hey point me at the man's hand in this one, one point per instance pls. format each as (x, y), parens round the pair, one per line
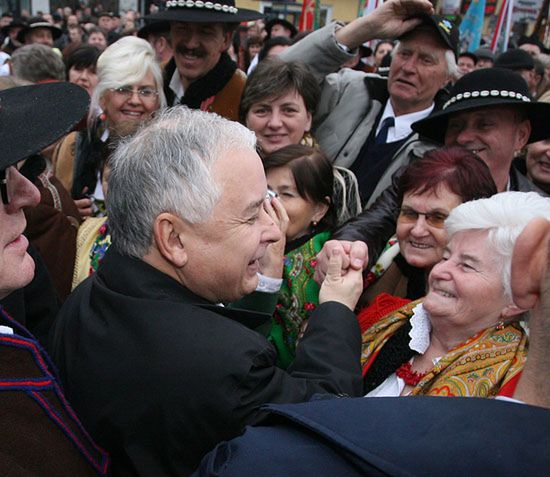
(343, 288)
(354, 255)
(390, 20)
(530, 282)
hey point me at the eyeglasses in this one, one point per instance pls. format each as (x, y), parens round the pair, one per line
(4, 185)
(410, 216)
(144, 93)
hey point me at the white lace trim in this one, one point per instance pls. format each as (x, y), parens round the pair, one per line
(420, 331)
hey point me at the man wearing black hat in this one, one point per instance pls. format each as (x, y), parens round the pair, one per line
(280, 27)
(39, 31)
(491, 113)
(521, 62)
(40, 433)
(158, 34)
(202, 75)
(363, 122)
(11, 36)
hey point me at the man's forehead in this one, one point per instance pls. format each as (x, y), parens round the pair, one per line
(485, 112)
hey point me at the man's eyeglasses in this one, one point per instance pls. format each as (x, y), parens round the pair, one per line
(410, 216)
(4, 186)
(145, 93)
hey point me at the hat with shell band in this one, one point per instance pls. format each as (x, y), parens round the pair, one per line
(487, 88)
(199, 11)
(33, 117)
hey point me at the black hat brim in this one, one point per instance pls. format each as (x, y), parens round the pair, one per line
(33, 117)
(195, 15)
(280, 21)
(434, 126)
(56, 32)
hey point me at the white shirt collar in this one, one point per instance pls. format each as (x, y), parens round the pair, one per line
(403, 123)
(177, 87)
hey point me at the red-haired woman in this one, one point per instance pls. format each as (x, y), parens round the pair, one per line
(428, 190)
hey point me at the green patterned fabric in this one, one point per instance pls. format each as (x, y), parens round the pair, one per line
(298, 297)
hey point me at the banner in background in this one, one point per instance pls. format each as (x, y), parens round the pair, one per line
(309, 19)
(472, 26)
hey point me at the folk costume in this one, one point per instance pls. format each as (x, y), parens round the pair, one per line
(486, 365)
(41, 434)
(220, 90)
(298, 296)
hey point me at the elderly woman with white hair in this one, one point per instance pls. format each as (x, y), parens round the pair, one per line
(464, 338)
(128, 93)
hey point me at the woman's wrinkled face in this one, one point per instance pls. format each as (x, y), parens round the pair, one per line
(301, 212)
(465, 288)
(279, 122)
(134, 107)
(421, 237)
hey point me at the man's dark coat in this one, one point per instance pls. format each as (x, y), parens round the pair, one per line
(160, 376)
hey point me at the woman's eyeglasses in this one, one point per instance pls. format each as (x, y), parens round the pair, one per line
(410, 216)
(145, 93)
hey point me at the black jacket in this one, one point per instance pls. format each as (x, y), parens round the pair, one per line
(160, 376)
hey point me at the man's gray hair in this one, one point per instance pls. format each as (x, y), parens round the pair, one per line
(504, 216)
(126, 62)
(37, 63)
(167, 167)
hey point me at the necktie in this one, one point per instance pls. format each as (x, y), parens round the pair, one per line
(383, 133)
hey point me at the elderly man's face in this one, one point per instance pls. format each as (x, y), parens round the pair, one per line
(16, 266)
(223, 252)
(42, 36)
(418, 71)
(493, 134)
(197, 48)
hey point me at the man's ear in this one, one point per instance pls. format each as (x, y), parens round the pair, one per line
(169, 238)
(530, 262)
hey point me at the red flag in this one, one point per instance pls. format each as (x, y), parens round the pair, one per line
(307, 18)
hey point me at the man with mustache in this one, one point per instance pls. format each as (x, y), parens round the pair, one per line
(364, 122)
(201, 74)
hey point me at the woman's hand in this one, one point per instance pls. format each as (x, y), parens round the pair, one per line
(343, 287)
(271, 264)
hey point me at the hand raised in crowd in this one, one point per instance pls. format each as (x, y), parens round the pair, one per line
(271, 264)
(84, 205)
(390, 20)
(345, 288)
(531, 290)
(354, 255)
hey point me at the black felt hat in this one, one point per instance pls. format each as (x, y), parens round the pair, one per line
(485, 54)
(17, 22)
(280, 21)
(515, 60)
(33, 117)
(447, 30)
(485, 88)
(152, 28)
(35, 23)
(198, 11)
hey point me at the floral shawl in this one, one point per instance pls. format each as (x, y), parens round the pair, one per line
(485, 365)
(298, 297)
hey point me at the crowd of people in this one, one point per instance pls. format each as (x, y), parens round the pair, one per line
(246, 248)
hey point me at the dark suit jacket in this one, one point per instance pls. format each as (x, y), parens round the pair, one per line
(418, 436)
(160, 376)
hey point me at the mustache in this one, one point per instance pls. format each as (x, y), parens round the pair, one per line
(198, 52)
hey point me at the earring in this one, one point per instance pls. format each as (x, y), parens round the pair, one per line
(314, 223)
